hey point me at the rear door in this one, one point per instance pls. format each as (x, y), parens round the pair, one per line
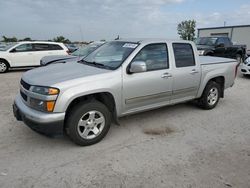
(153, 87)
(56, 49)
(22, 55)
(186, 74)
(40, 50)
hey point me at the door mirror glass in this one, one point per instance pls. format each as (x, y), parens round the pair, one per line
(138, 66)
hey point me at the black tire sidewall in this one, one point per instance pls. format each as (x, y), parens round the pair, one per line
(77, 112)
(204, 102)
(7, 66)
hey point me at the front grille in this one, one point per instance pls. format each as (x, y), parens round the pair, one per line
(24, 96)
(25, 85)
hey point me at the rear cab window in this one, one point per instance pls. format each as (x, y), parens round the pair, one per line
(184, 55)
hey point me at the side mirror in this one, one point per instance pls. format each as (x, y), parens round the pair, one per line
(221, 45)
(138, 66)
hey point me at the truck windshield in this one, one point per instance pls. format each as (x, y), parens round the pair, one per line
(209, 41)
(83, 51)
(111, 54)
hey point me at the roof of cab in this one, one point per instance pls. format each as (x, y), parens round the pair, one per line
(151, 40)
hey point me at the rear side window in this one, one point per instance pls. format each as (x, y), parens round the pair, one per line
(41, 47)
(155, 56)
(184, 55)
(55, 47)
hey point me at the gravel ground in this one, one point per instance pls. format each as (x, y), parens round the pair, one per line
(177, 146)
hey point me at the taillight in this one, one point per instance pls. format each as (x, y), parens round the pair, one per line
(68, 52)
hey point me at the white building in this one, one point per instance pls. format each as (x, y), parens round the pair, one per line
(238, 34)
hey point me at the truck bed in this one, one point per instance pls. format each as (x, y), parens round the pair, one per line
(206, 60)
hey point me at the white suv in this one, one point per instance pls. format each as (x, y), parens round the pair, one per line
(28, 54)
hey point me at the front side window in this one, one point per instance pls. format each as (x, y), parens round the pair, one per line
(23, 48)
(111, 54)
(220, 41)
(154, 55)
(184, 55)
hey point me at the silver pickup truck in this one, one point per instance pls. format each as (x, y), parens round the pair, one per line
(120, 78)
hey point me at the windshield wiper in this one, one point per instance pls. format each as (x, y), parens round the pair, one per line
(95, 63)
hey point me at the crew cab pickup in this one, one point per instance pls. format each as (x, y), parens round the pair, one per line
(121, 77)
(220, 47)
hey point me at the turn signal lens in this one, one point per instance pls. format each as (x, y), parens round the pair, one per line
(53, 91)
(50, 106)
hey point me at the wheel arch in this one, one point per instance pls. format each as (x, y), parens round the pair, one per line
(218, 79)
(104, 97)
(3, 59)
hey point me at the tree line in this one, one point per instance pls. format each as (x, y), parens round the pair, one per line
(185, 29)
(15, 39)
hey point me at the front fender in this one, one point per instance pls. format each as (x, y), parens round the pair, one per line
(112, 86)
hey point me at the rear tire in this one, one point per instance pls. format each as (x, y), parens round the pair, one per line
(4, 67)
(88, 122)
(211, 96)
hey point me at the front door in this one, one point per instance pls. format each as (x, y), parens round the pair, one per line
(152, 88)
(22, 56)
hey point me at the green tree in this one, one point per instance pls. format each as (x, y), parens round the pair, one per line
(26, 39)
(9, 39)
(61, 39)
(186, 29)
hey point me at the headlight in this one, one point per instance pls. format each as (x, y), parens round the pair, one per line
(201, 52)
(45, 90)
(47, 102)
(45, 106)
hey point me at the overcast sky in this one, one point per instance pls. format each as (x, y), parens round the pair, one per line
(105, 19)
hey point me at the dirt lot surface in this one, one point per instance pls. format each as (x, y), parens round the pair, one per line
(177, 146)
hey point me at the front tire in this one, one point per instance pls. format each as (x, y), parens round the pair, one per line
(88, 123)
(211, 96)
(4, 67)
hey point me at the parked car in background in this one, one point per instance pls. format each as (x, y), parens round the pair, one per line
(78, 54)
(245, 67)
(220, 47)
(119, 78)
(2, 46)
(71, 47)
(28, 54)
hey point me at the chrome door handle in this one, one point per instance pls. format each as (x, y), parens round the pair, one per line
(166, 75)
(194, 71)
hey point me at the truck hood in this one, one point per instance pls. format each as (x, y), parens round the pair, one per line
(204, 47)
(60, 72)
